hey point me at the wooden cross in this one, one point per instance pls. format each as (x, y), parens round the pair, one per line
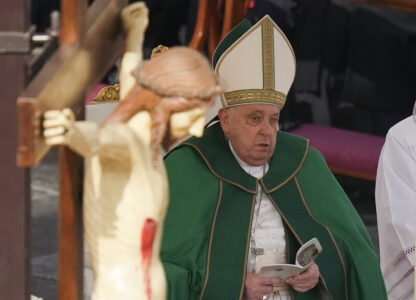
(89, 44)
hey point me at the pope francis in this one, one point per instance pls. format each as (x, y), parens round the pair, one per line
(246, 195)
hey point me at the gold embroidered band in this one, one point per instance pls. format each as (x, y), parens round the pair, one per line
(268, 55)
(254, 96)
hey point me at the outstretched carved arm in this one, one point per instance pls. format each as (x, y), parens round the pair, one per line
(86, 138)
(135, 19)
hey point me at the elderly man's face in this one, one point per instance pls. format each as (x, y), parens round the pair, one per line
(252, 130)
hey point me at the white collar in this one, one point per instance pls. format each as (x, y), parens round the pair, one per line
(255, 171)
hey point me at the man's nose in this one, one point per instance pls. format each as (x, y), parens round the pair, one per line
(266, 128)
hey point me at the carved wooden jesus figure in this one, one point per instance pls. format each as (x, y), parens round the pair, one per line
(125, 189)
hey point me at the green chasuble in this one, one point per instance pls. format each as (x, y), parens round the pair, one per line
(207, 228)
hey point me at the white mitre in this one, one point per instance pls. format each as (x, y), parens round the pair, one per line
(256, 64)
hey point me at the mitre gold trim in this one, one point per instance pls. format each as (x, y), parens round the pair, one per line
(253, 96)
(268, 55)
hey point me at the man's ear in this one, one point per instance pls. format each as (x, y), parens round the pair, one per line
(224, 116)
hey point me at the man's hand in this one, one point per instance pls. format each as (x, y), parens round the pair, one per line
(305, 281)
(56, 124)
(257, 286)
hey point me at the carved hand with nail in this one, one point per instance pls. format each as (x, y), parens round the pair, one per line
(56, 124)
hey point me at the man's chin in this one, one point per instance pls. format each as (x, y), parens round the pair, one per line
(259, 160)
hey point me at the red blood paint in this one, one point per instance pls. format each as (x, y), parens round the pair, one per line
(148, 236)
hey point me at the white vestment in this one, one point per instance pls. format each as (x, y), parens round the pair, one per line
(396, 209)
(268, 231)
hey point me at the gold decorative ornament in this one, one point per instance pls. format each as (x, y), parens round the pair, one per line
(158, 50)
(108, 94)
(268, 56)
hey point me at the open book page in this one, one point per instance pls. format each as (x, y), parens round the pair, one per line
(305, 256)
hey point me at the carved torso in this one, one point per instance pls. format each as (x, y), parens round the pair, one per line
(125, 201)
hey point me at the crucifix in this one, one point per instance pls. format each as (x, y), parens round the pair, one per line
(90, 42)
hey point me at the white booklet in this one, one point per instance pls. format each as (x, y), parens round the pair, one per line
(305, 256)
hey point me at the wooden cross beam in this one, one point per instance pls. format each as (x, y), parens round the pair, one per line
(71, 73)
(90, 43)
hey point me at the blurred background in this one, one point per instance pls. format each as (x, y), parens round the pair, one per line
(356, 72)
